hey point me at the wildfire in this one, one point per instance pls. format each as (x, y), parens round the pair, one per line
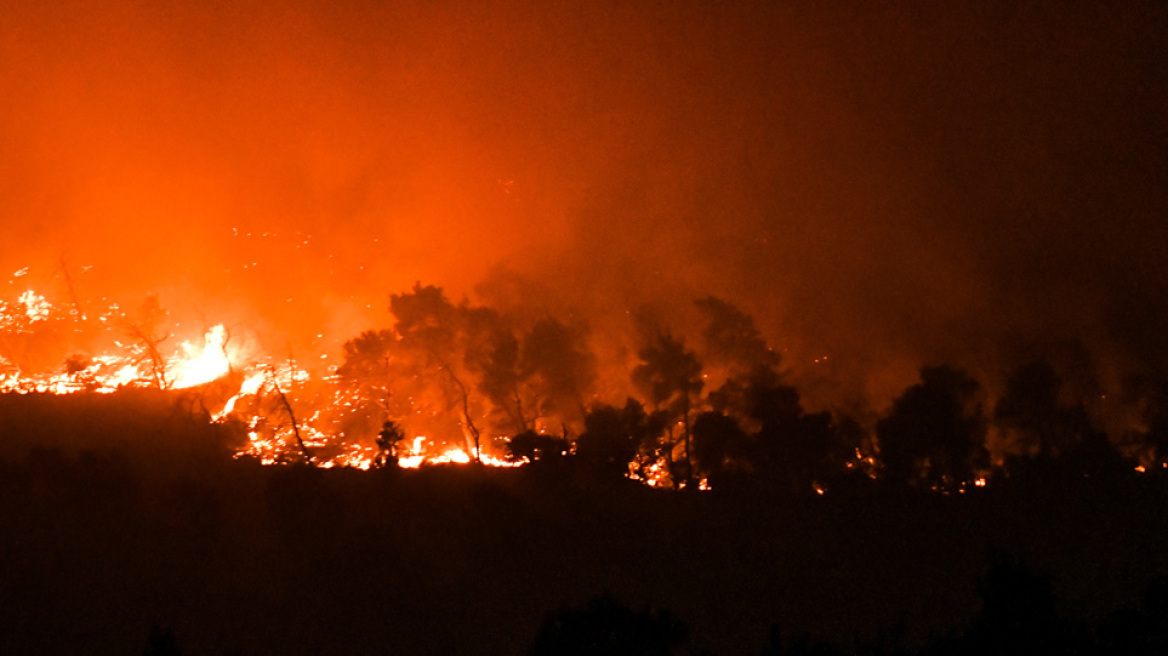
(457, 456)
(36, 308)
(655, 474)
(419, 456)
(249, 387)
(200, 365)
(287, 413)
(30, 322)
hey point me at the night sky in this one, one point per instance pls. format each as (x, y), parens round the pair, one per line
(887, 183)
(887, 188)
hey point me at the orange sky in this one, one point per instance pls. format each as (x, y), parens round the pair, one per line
(890, 185)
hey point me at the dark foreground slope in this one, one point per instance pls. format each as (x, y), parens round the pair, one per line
(99, 544)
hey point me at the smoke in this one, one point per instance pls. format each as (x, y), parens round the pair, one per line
(881, 186)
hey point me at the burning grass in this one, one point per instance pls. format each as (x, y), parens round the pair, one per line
(209, 376)
(456, 383)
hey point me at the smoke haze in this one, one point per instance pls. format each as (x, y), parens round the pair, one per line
(887, 185)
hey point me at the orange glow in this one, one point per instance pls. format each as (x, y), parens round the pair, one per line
(656, 474)
(457, 456)
(284, 167)
(34, 319)
(418, 457)
(199, 365)
(36, 308)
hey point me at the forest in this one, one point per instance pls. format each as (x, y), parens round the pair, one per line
(692, 505)
(711, 405)
(659, 327)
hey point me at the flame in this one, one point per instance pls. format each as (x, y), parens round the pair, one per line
(453, 455)
(268, 392)
(417, 457)
(192, 365)
(36, 308)
(493, 461)
(411, 462)
(250, 387)
(271, 429)
(200, 365)
(656, 474)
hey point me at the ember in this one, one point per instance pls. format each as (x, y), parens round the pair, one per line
(488, 387)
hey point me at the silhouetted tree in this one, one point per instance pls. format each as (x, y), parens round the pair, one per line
(1029, 409)
(536, 447)
(503, 378)
(565, 369)
(430, 326)
(719, 446)
(369, 372)
(1036, 425)
(731, 339)
(755, 397)
(1092, 454)
(606, 441)
(272, 383)
(541, 374)
(522, 447)
(607, 628)
(791, 448)
(470, 359)
(367, 358)
(613, 437)
(146, 328)
(387, 440)
(670, 376)
(1043, 434)
(935, 432)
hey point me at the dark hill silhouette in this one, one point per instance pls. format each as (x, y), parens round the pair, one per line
(100, 544)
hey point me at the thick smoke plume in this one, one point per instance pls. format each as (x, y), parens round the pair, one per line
(882, 186)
